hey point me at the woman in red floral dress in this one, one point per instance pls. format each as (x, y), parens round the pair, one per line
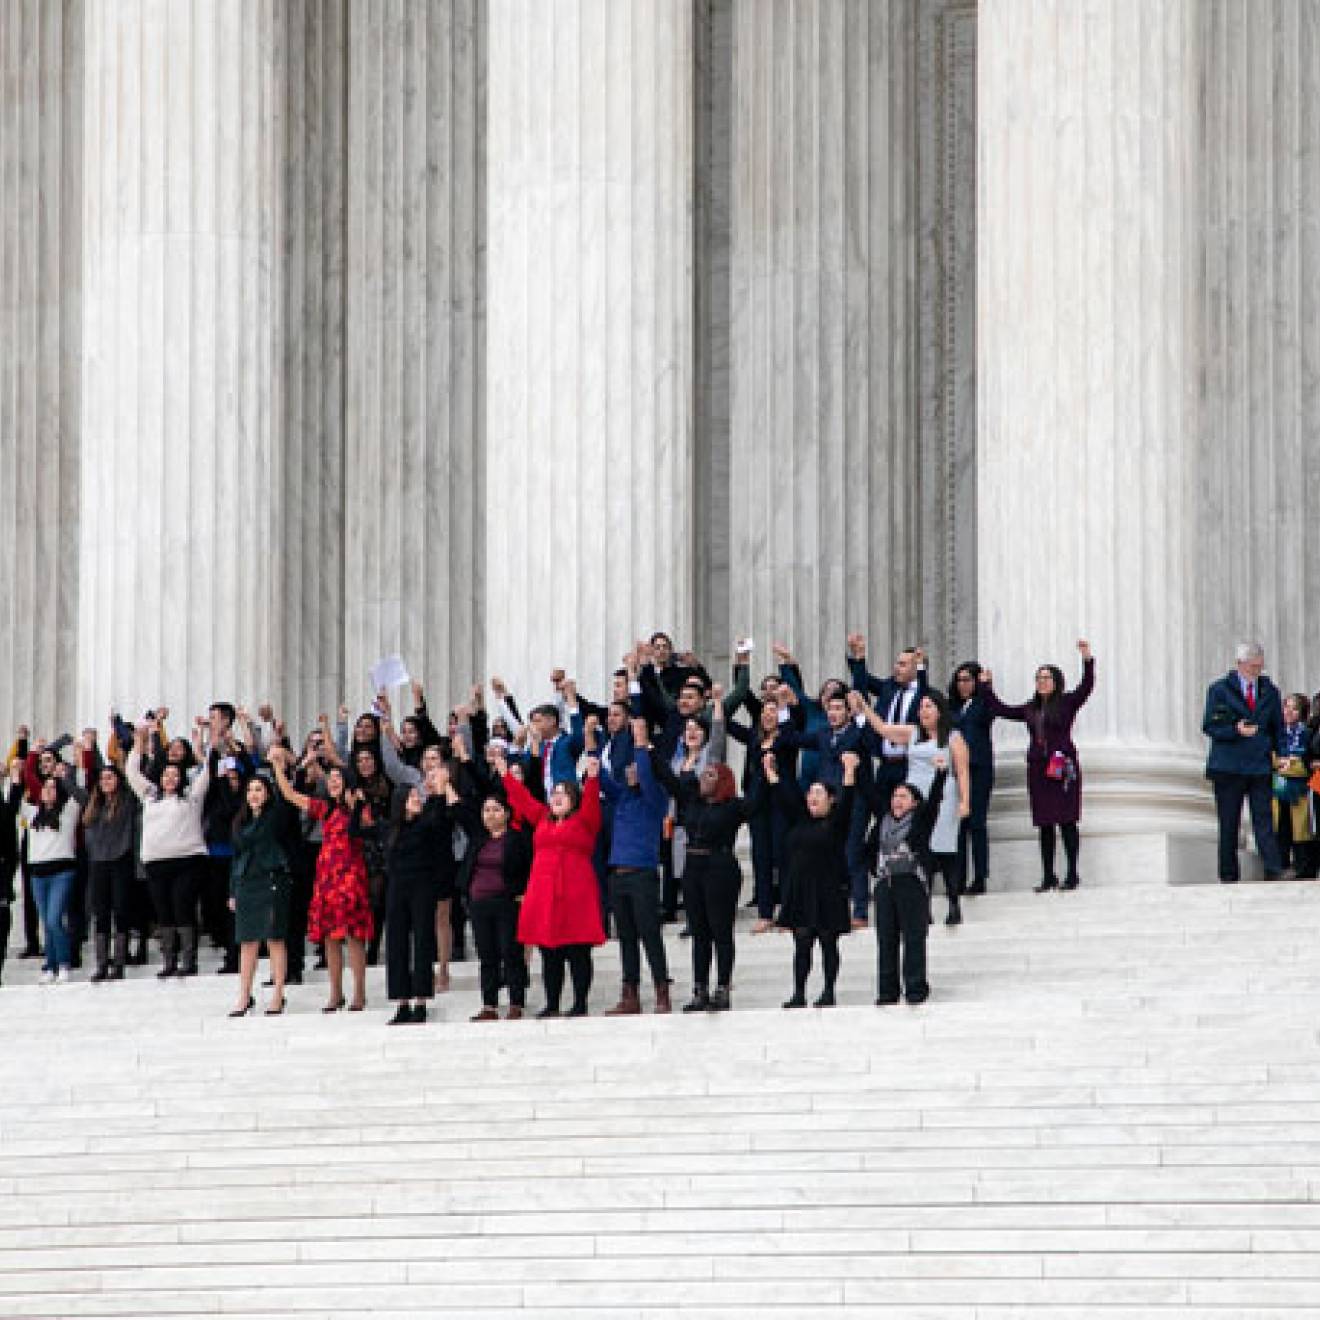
(340, 911)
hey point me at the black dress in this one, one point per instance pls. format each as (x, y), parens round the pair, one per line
(816, 890)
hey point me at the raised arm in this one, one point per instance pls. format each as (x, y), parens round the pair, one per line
(523, 803)
(279, 764)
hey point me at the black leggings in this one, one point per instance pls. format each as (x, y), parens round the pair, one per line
(112, 894)
(711, 883)
(577, 957)
(174, 884)
(803, 940)
(1072, 843)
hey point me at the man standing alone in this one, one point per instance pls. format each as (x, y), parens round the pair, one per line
(1243, 715)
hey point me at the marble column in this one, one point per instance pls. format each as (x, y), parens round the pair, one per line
(1259, 304)
(413, 425)
(309, 636)
(181, 407)
(589, 507)
(1087, 369)
(826, 519)
(40, 214)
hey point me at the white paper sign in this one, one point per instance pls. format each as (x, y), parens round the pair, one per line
(389, 672)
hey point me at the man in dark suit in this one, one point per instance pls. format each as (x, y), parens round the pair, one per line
(1243, 716)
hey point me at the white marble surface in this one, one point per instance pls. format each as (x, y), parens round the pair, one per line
(413, 548)
(1087, 471)
(40, 216)
(825, 533)
(181, 413)
(589, 374)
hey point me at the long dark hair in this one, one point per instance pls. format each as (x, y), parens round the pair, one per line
(244, 817)
(943, 727)
(48, 818)
(972, 667)
(99, 804)
(1047, 704)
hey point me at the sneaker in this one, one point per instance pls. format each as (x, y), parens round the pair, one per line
(63, 977)
(46, 978)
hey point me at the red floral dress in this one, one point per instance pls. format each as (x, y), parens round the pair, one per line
(341, 908)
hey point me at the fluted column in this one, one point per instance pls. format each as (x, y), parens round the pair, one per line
(40, 214)
(1259, 302)
(310, 623)
(588, 506)
(180, 365)
(412, 493)
(826, 492)
(1087, 363)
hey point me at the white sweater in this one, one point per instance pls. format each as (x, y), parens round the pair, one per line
(59, 845)
(171, 826)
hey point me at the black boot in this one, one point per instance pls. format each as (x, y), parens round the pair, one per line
(188, 951)
(719, 1000)
(169, 948)
(1050, 882)
(141, 953)
(102, 972)
(120, 957)
(699, 1002)
(955, 913)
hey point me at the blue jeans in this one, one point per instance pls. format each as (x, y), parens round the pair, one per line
(52, 893)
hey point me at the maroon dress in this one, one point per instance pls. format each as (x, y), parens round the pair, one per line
(1053, 801)
(340, 908)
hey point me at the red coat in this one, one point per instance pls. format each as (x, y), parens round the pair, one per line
(562, 903)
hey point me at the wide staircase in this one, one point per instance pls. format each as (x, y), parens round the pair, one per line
(1109, 1109)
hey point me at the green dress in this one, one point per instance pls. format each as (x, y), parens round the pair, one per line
(259, 879)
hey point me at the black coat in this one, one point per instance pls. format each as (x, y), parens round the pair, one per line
(517, 850)
(816, 893)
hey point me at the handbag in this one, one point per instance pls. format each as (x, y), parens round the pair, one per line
(1314, 782)
(1058, 766)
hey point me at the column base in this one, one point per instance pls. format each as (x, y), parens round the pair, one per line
(1115, 859)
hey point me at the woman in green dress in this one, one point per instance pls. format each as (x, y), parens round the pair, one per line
(260, 882)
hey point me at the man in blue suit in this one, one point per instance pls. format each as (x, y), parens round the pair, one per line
(1243, 716)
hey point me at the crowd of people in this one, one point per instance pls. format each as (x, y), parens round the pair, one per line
(536, 836)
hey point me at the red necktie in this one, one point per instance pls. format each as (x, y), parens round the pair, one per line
(1251, 697)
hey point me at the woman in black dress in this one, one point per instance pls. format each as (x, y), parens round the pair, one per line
(815, 905)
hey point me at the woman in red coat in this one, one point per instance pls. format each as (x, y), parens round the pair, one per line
(561, 909)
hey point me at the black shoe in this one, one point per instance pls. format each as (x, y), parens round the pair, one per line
(30, 952)
(719, 1000)
(799, 1000)
(116, 972)
(885, 1001)
(275, 1012)
(293, 978)
(976, 887)
(547, 1012)
(578, 1010)
(955, 915)
(699, 1002)
(419, 1013)
(333, 1007)
(403, 1015)
(1050, 882)
(245, 1010)
(918, 996)
(1074, 880)
(228, 968)
(171, 968)
(1223, 880)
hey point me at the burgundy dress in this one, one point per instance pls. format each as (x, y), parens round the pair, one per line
(340, 908)
(1053, 801)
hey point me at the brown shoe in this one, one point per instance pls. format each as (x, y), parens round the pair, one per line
(662, 1004)
(486, 1015)
(514, 1014)
(629, 1002)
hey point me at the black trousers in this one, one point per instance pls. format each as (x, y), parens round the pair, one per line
(577, 958)
(6, 921)
(635, 900)
(174, 885)
(217, 919)
(973, 833)
(300, 901)
(769, 830)
(495, 933)
(410, 939)
(902, 918)
(112, 895)
(31, 917)
(711, 885)
(1231, 791)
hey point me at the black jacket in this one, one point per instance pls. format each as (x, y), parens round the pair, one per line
(517, 849)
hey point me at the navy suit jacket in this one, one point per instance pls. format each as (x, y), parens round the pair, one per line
(975, 723)
(1225, 706)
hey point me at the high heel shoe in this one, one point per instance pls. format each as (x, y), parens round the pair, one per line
(245, 1010)
(275, 1012)
(334, 1006)
(357, 1008)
